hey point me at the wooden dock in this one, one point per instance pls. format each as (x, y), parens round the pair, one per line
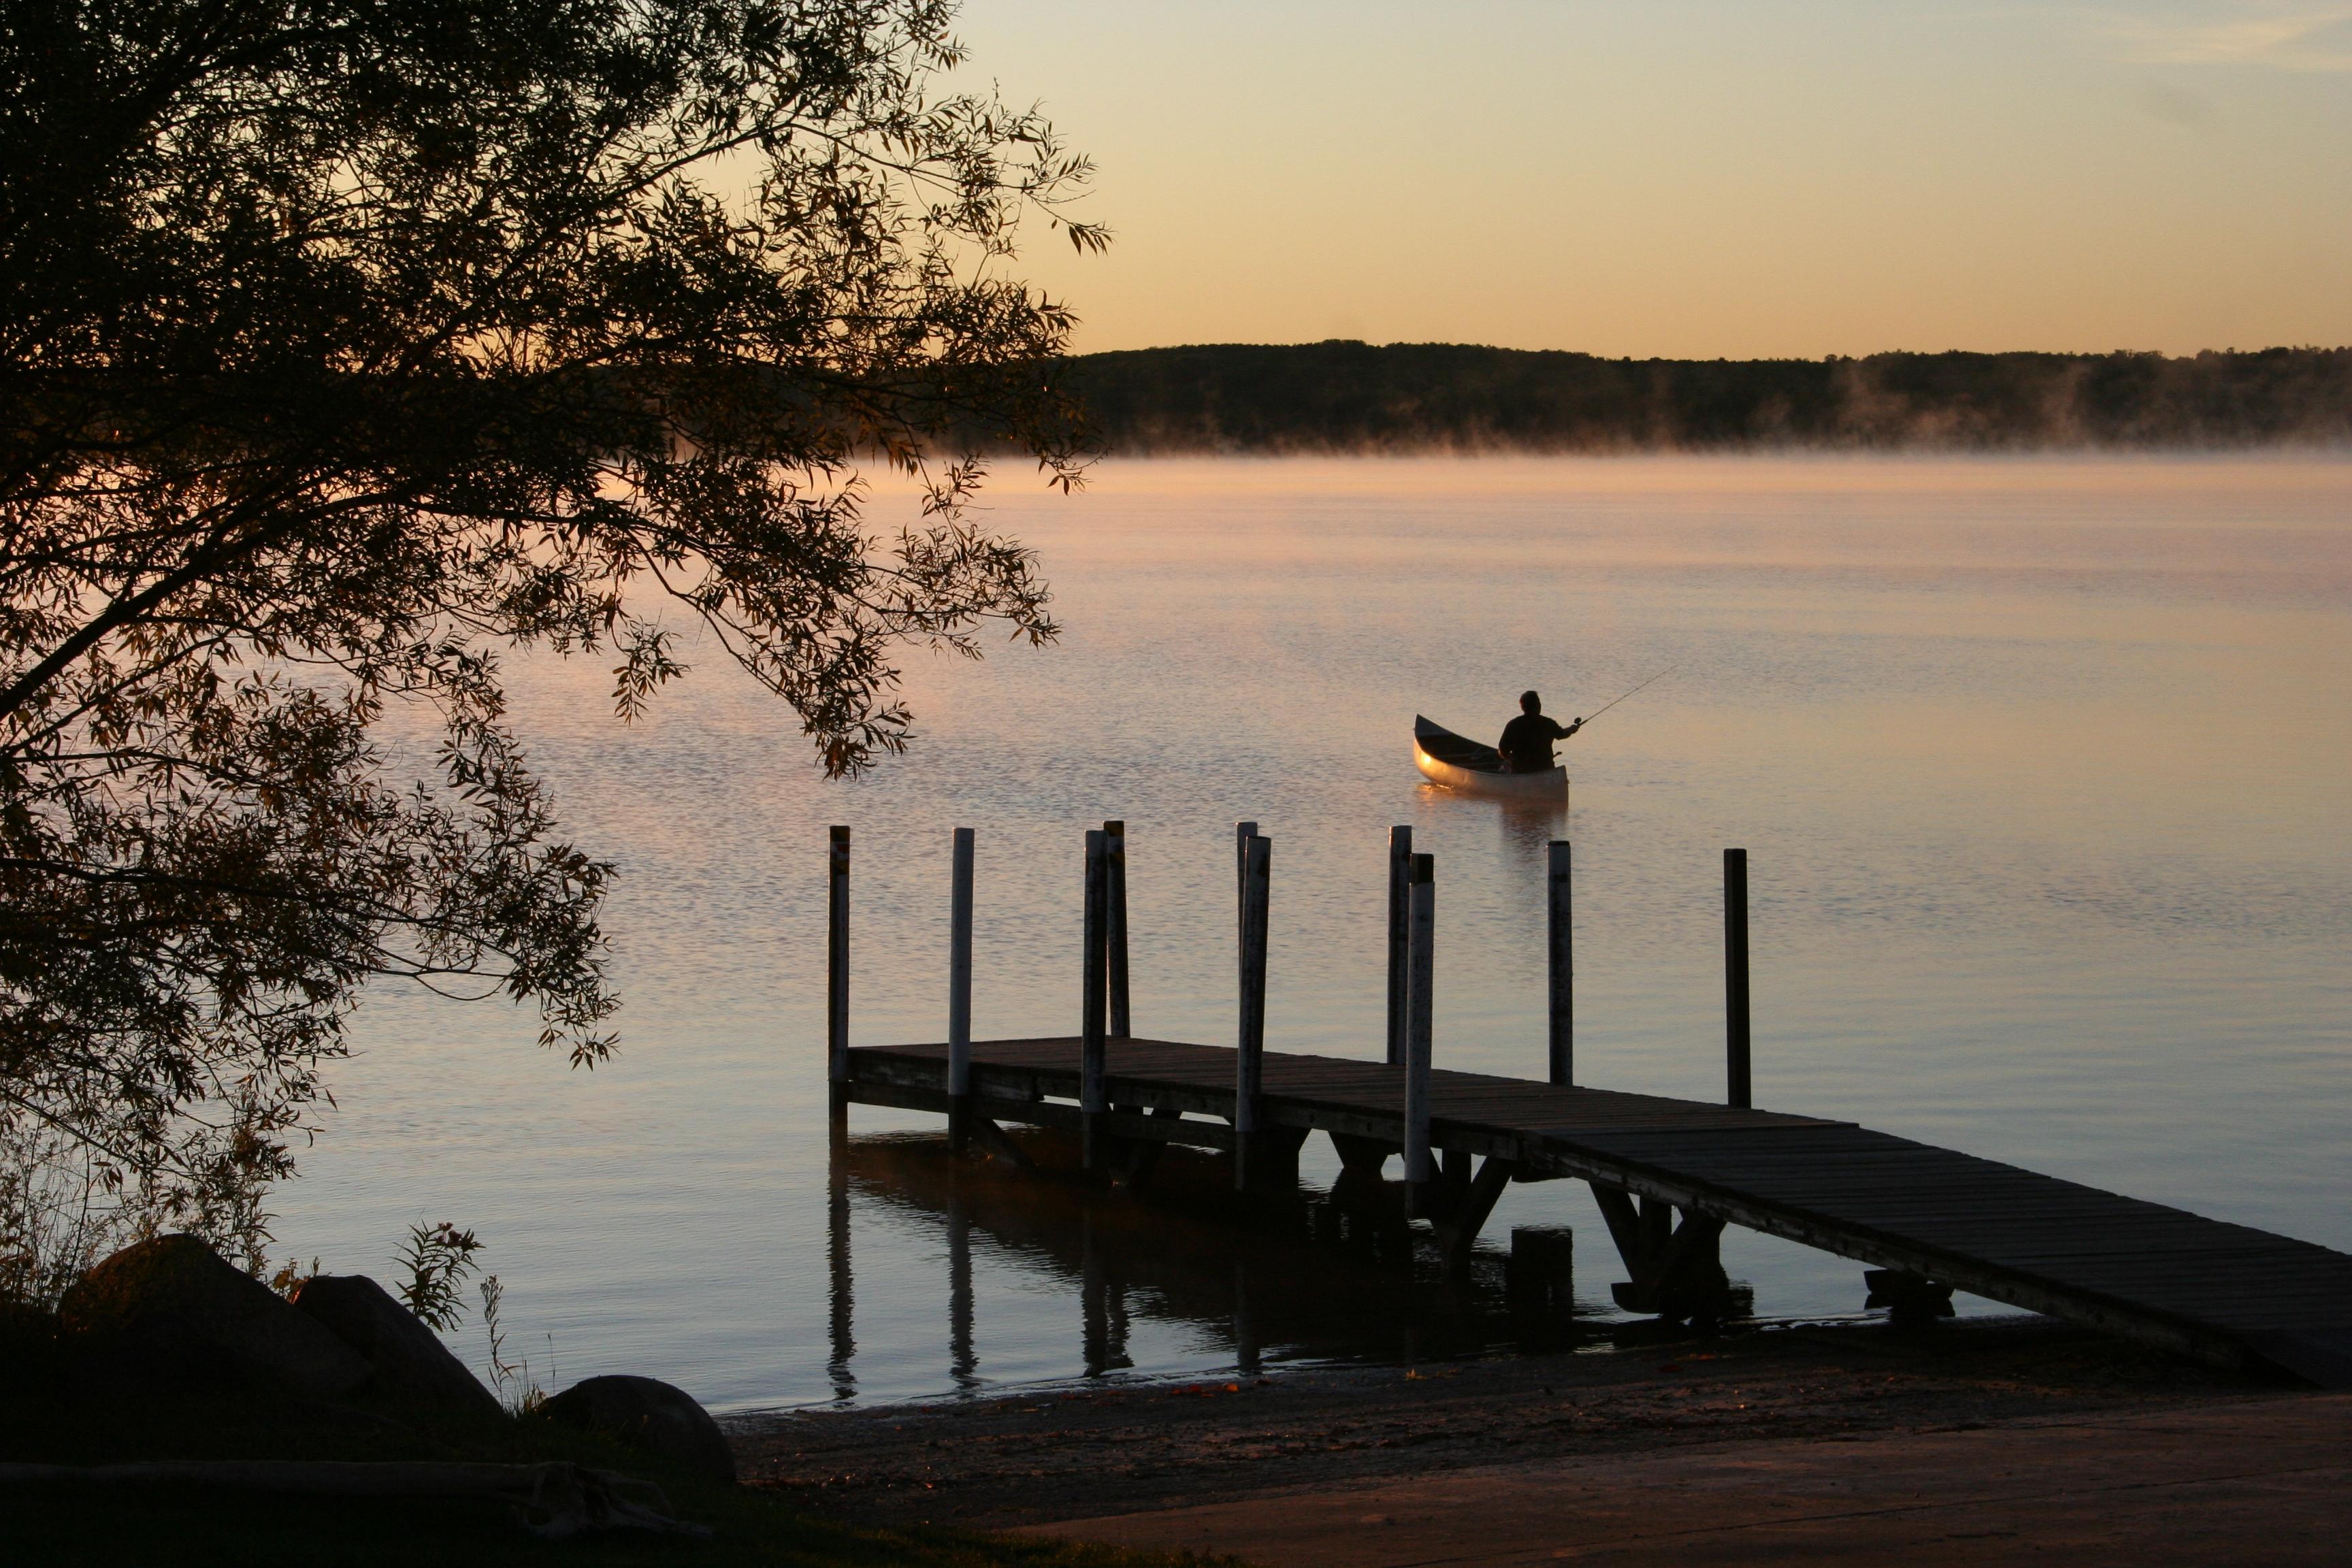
(1667, 1174)
(1671, 1173)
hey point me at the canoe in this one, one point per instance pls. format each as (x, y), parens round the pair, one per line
(1461, 764)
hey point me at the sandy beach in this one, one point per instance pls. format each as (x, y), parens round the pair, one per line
(1994, 1438)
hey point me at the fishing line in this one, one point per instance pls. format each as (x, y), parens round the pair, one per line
(1604, 708)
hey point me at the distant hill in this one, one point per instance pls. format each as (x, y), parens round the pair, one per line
(1343, 396)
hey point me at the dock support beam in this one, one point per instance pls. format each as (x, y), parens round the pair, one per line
(1400, 919)
(1677, 1269)
(1419, 1015)
(836, 987)
(959, 992)
(1094, 1095)
(1115, 852)
(1735, 978)
(1470, 1207)
(1249, 1059)
(1562, 965)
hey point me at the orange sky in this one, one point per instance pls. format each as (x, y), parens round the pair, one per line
(1704, 179)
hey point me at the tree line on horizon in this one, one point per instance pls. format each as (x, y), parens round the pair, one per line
(1343, 396)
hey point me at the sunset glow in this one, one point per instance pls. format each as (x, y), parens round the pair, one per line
(1794, 178)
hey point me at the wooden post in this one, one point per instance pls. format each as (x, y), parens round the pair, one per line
(837, 986)
(1094, 1096)
(1419, 1011)
(1249, 1059)
(1562, 964)
(1735, 977)
(959, 991)
(1243, 832)
(1114, 850)
(1400, 917)
(1542, 1271)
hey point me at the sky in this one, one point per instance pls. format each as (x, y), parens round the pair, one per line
(1686, 178)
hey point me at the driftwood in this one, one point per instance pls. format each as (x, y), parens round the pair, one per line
(554, 1500)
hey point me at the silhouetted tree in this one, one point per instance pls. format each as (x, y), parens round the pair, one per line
(344, 345)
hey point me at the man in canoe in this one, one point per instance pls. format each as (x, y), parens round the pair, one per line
(1528, 740)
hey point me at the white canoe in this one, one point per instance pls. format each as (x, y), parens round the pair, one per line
(1461, 764)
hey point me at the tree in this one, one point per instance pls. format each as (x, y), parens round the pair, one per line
(345, 346)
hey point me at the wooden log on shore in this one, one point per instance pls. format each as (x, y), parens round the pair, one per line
(1249, 1063)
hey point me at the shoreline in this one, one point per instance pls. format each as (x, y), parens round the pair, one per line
(1040, 1457)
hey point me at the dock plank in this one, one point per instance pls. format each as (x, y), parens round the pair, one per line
(2162, 1274)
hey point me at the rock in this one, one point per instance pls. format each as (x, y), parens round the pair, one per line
(25, 1330)
(185, 1315)
(649, 1415)
(411, 1365)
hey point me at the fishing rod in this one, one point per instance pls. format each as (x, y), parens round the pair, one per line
(1605, 707)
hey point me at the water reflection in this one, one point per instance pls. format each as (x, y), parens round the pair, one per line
(843, 1330)
(1526, 827)
(1523, 827)
(2045, 765)
(1323, 1275)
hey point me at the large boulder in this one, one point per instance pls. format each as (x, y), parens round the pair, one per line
(184, 1315)
(650, 1414)
(411, 1365)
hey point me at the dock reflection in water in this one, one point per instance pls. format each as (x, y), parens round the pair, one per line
(1330, 1275)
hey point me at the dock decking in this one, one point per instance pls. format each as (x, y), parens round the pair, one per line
(1670, 1173)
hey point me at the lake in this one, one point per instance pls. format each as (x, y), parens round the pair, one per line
(2043, 767)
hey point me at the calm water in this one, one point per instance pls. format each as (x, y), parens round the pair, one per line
(2044, 768)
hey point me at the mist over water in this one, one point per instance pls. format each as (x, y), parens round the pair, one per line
(2043, 767)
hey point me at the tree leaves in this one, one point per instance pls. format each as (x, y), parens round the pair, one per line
(343, 346)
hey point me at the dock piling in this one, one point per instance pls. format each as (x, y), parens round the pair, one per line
(1115, 861)
(960, 990)
(1243, 832)
(1093, 1100)
(1735, 978)
(1562, 964)
(1419, 1011)
(1667, 1175)
(1249, 1060)
(1400, 919)
(1542, 1270)
(837, 986)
